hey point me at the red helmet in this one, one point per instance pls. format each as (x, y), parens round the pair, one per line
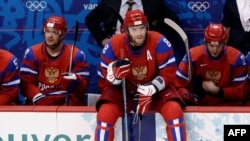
(215, 33)
(56, 22)
(135, 17)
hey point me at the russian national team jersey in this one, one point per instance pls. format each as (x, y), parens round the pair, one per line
(154, 58)
(227, 72)
(42, 73)
(9, 78)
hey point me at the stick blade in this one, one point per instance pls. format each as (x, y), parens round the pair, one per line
(184, 37)
(176, 27)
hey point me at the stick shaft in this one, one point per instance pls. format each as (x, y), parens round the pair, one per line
(125, 117)
(71, 59)
(73, 46)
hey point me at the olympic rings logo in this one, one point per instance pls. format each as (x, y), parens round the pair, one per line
(33, 6)
(198, 6)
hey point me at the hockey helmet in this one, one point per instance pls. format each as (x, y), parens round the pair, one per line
(135, 17)
(56, 22)
(215, 34)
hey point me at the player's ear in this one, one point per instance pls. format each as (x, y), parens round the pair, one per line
(62, 35)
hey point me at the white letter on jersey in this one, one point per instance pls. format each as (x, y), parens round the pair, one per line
(149, 57)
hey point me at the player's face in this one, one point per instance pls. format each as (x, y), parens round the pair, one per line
(215, 49)
(52, 37)
(137, 34)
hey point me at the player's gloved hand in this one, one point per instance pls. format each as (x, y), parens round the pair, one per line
(68, 75)
(41, 100)
(152, 87)
(190, 99)
(117, 70)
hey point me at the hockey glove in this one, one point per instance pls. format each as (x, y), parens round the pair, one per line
(70, 81)
(117, 70)
(190, 99)
(68, 75)
(152, 87)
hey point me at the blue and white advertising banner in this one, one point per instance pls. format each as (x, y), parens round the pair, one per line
(80, 126)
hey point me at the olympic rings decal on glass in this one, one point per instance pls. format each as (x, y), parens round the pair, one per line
(198, 6)
(33, 6)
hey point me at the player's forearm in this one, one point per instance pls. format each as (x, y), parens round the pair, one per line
(235, 93)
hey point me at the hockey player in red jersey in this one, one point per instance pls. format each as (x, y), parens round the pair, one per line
(146, 61)
(218, 71)
(45, 75)
(9, 78)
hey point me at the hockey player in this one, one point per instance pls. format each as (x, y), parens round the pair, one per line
(9, 78)
(44, 77)
(218, 72)
(146, 61)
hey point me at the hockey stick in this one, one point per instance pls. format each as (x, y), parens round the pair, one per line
(73, 46)
(184, 37)
(117, 15)
(71, 58)
(125, 117)
(125, 120)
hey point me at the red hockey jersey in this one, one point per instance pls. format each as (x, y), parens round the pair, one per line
(41, 73)
(227, 72)
(9, 78)
(155, 58)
